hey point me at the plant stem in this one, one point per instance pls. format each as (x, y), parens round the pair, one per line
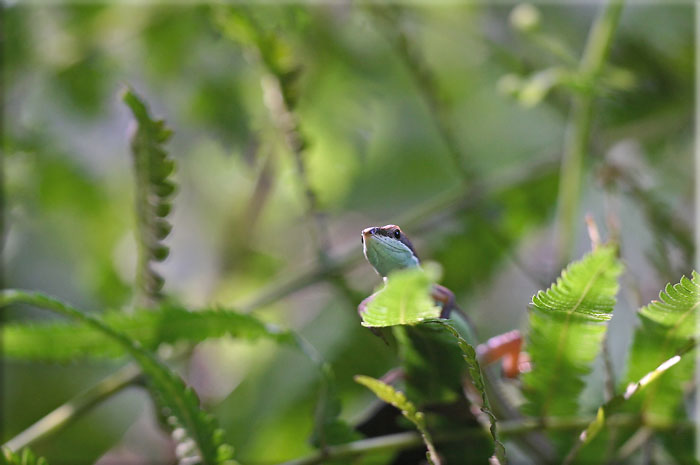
(390, 442)
(578, 134)
(405, 440)
(78, 405)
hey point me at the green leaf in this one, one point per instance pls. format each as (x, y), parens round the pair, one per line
(475, 374)
(667, 325)
(405, 300)
(432, 363)
(63, 341)
(396, 398)
(567, 325)
(23, 457)
(179, 402)
(152, 169)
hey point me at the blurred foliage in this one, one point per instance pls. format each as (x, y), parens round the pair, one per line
(24, 457)
(449, 120)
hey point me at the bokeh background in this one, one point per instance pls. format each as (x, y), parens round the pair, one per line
(449, 120)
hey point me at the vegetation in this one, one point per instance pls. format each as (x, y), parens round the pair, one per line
(184, 187)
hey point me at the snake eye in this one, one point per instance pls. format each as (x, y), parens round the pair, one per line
(397, 234)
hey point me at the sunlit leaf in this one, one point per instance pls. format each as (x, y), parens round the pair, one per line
(396, 398)
(405, 300)
(567, 325)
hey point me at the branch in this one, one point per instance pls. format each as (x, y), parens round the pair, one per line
(77, 406)
(390, 442)
(407, 440)
(579, 131)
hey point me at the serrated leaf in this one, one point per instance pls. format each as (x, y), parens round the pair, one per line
(567, 325)
(405, 300)
(179, 401)
(397, 398)
(666, 326)
(152, 169)
(62, 341)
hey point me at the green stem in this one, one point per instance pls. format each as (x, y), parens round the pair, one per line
(390, 442)
(406, 440)
(77, 406)
(576, 145)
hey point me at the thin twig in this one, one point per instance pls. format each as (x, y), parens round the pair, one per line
(276, 98)
(406, 440)
(608, 368)
(447, 203)
(281, 112)
(240, 227)
(426, 83)
(634, 443)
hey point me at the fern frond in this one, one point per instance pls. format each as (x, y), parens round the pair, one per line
(397, 398)
(63, 341)
(152, 168)
(667, 325)
(405, 300)
(191, 425)
(567, 325)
